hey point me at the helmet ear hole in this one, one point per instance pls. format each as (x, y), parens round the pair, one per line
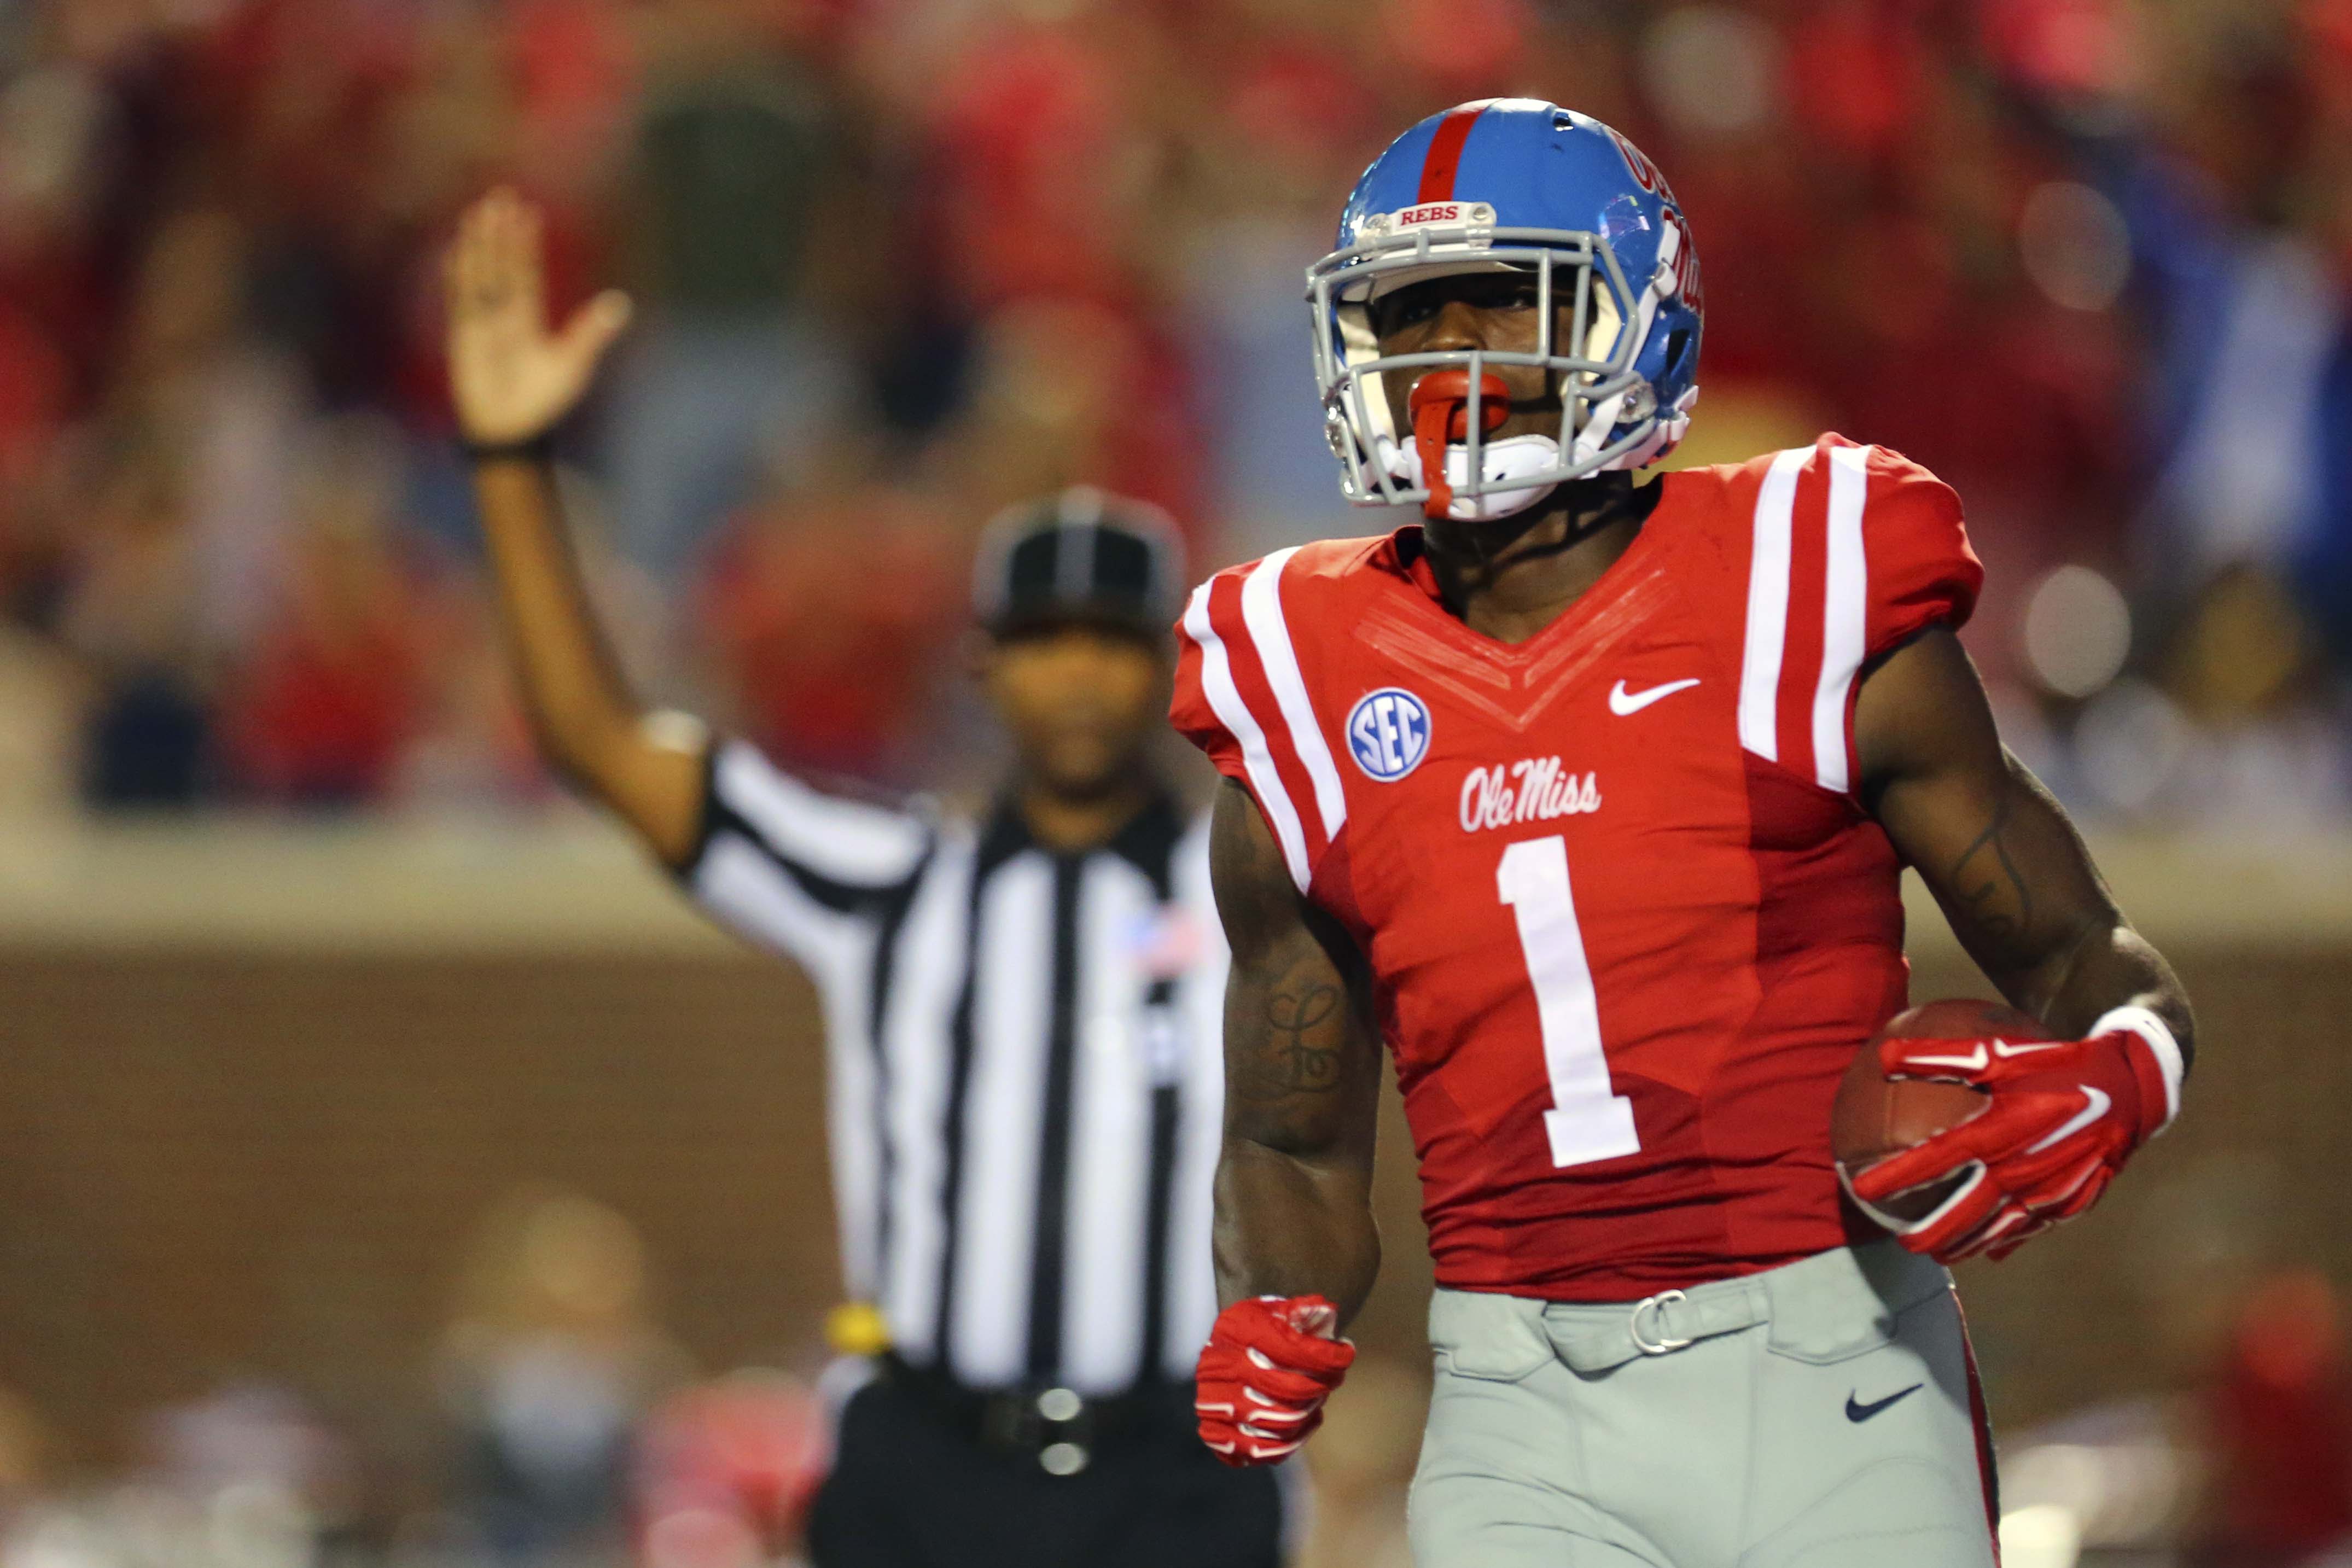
(1677, 345)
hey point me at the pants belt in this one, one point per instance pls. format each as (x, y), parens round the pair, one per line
(1656, 1326)
(1816, 1307)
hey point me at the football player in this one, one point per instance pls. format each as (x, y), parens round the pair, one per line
(1590, 799)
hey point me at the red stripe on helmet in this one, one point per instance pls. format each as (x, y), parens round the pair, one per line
(1437, 169)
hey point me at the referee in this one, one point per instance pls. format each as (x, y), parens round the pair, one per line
(1024, 1084)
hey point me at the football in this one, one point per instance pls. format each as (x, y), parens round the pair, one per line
(1874, 1117)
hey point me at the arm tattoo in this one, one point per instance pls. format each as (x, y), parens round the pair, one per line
(1989, 885)
(1300, 1055)
(1301, 1067)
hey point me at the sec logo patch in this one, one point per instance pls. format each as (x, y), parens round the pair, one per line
(1389, 734)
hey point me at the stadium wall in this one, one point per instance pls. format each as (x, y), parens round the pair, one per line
(260, 1081)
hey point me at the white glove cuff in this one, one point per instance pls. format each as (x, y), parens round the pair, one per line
(2160, 1044)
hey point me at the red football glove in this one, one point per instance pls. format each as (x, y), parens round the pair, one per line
(1270, 1362)
(2064, 1116)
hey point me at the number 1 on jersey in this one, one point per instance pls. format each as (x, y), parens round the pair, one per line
(1587, 1121)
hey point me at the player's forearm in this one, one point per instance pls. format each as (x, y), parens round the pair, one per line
(1995, 847)
(573, 691)
(2109, 965)
(1293, 1210)
(2030, 905)
(1291, 1225)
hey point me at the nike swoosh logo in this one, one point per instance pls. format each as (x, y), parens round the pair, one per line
(2098, 1106)
(2027, 1048)
(1974, 1061)
(1623, 702)
(1977, 1060)
(1857, 1411)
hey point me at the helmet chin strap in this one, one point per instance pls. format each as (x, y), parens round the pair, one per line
(1439, 404)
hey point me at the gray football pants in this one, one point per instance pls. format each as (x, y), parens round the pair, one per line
(1823, 1414)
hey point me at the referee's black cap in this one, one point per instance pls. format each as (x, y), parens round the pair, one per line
(1081, 556)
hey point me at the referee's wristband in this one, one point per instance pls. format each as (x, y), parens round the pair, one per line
(537, 448)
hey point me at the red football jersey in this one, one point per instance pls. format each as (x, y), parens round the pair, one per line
(1626, 917)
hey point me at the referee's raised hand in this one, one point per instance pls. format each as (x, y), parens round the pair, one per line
(510, 378)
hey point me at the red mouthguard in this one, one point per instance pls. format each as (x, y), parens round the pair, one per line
(1440, 405)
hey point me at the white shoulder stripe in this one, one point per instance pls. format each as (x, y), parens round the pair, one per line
(1768, 605)
(1261, 614)
(1225, 702)
(1845, 610)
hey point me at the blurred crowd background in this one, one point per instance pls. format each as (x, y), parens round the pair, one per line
(902, 262)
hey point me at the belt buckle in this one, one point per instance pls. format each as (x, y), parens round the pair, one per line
(1664, 1343)
(1054, 1425)
(1068, 1420)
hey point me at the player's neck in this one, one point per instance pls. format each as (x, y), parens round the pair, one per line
(1512, 578)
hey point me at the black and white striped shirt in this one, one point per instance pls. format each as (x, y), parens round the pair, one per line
(1024, 1084)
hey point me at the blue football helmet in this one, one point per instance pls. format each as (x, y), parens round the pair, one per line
(1504, 185)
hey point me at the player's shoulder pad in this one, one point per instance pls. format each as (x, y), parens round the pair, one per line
(1868, 514)
(1248, 646)
(1317, 568)
(1837, 553)
(1295, 591)
(1921, 568)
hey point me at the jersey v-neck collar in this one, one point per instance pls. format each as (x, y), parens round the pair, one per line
(1404, 554)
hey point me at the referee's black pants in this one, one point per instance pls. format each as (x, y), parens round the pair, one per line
(911, 1489)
